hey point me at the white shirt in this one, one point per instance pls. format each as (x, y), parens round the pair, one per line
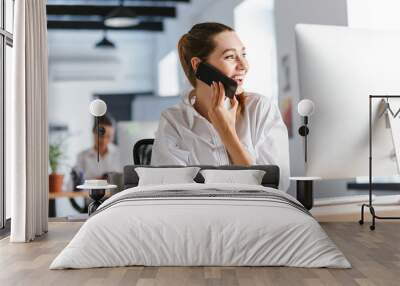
(184, 137)
(87, 162)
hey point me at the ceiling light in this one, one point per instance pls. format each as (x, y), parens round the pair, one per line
(105, 43)
(121, 17)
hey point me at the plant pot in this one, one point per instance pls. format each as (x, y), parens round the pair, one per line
(55, 182)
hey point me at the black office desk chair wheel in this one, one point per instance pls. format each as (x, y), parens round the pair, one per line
(142, 151)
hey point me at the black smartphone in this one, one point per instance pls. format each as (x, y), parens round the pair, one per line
(208, 73)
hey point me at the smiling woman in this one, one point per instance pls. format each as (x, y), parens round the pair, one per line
(209, 128)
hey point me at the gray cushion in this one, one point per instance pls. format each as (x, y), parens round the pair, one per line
(270, 179)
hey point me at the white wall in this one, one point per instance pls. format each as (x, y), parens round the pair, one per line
(288, 13)
(374, 14)
(258, 36)
(168, 74)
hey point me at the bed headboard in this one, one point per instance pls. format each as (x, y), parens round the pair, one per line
(270, 179)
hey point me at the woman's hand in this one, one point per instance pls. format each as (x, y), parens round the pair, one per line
(222, 119)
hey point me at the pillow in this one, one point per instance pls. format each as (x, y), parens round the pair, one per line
(248, 177)
(163, 176)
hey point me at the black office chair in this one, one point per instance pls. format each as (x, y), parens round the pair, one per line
(142, 151)
(77, 179)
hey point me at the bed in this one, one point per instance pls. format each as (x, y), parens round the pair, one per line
(201, 224)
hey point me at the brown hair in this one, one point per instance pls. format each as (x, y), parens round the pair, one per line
(103, 121)
(199, 42)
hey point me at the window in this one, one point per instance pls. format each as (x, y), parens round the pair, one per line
(168, 84)
(258, 35)
(9, 13)
(6, 42)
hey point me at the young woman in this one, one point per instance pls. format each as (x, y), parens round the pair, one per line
(209, 128)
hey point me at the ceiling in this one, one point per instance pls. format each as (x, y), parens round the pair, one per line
(89, 14)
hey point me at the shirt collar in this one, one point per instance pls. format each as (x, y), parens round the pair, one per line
(191, 112)
(111, 148)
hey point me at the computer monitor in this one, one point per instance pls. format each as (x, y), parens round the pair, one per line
(339, 67)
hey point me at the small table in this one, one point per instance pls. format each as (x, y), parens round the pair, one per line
(304, 190)
(96, 193)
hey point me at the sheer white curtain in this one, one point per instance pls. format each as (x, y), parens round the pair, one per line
(27, 134)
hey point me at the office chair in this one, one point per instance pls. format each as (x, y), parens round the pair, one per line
(77, 179)
(142, 151)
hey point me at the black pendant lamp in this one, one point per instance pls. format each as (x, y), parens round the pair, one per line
(121, 17)
(105, 43)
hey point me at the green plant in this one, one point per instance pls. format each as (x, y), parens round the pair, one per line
(55, 155)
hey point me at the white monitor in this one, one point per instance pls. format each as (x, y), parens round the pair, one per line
(339, 67)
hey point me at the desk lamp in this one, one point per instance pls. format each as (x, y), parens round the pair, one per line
(305, 108)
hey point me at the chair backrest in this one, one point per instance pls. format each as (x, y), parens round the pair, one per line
(142, 151)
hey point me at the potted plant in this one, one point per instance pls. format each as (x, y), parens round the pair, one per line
(55, 179)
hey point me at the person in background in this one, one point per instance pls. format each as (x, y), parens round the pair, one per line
(207, 128)
(86, 166)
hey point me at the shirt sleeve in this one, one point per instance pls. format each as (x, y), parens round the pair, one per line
(271, 140)
(166, 149)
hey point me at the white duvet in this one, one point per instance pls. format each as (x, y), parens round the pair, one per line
(200, 231)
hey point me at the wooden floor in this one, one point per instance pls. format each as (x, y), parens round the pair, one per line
(374, 255)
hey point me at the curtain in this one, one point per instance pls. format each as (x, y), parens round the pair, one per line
(27, 135)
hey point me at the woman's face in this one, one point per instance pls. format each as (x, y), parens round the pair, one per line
(104, 139)
(229, 56)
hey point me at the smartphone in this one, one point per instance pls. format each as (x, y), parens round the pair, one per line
(208, 73)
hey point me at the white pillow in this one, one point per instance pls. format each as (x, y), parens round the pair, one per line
(163, 176)
(248, 177)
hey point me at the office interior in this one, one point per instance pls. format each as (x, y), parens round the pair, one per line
(78, 73)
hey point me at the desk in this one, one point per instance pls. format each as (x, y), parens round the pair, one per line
(375, 186)
(78, 194)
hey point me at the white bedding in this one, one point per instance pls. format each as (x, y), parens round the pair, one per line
(200, 231)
